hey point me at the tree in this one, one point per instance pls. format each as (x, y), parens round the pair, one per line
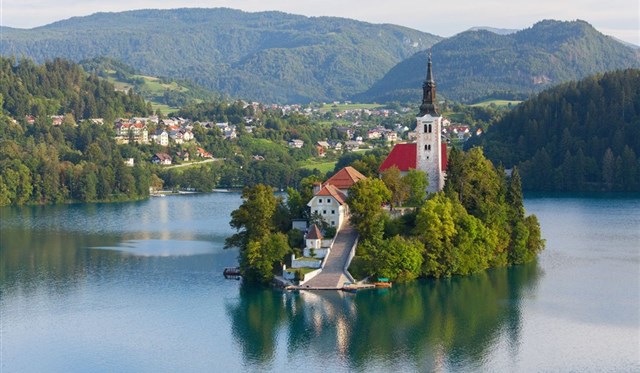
(514, 196)
(393, 180)
(261, 257)
(254, 217)
(365, 201)
(397, 258)
(416, 183)
(261, 247)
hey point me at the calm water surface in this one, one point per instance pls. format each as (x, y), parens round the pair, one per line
(137, 287)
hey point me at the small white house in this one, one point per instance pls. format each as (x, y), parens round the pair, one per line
(330, 203)
(296, 144)
(314, 241)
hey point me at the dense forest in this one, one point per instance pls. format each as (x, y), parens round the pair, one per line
(41, 163)
(60, 87)
(476, 65)
(265, 56)
(477, 222)
(579, 136)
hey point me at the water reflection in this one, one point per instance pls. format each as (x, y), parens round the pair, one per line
(448, 324)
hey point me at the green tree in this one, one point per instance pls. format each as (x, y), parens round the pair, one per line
(365, 201)
(416, 182)
(392, 178)
(399, 259)
(261, 247)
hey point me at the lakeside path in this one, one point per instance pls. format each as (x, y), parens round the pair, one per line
(333, 276)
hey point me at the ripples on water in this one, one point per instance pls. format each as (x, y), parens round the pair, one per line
(138, 287)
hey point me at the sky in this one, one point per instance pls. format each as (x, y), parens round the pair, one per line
(618, 18)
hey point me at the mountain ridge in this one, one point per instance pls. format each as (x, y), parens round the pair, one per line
(267, 56)
(475, 65)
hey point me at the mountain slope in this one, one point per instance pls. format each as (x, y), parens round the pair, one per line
(480, 64)
(578, 136)
(267, 56)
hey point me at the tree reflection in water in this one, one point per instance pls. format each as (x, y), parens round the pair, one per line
(425, 325)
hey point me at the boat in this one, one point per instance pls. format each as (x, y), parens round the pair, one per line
(382, 282)
(232, 272)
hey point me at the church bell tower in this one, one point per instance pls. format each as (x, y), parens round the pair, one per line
(429, 129)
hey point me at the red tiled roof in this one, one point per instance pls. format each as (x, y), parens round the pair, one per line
(345, 178)
(314, 233)
(331, 191)
(403, 156)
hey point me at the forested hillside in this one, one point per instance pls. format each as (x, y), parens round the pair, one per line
(61, 87)
(579, 136)
(475, 65)
(268, 56)
(162, 92)
(42, 163)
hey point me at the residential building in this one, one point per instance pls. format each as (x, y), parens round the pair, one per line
(331, 204)
(296, 144)
(161, 137)
(161, 158)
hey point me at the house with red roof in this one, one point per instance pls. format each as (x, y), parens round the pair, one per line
(330, 203)
(330, 197)
(344, 179)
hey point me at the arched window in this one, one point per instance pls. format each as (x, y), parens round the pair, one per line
(425, 128)
(429, 128)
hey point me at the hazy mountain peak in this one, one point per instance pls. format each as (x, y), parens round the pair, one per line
(499, 31)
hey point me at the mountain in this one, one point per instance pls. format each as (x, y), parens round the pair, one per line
(499, 31)
(475, 65)
(578, 136)
(266, 56)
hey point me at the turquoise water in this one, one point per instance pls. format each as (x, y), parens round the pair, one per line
(137, 287)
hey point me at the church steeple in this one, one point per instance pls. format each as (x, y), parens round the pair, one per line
(429, 94)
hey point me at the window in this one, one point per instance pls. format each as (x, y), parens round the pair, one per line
(425, 128)
(426, 147)
(333, 222)
(429, 128)
(333, 211)
(320, 200)
(324, 212)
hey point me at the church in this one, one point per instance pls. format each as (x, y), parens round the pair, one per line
(428, 153)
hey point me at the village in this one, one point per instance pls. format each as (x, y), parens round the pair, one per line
(357, 129)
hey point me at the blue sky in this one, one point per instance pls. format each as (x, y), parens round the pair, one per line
(619, 18)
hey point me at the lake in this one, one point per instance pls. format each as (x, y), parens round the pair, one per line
(138, 287)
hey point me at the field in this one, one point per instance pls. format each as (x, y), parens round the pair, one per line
(322, 166)
(343, 107)
(497, 103)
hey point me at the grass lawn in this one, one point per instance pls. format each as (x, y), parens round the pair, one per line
(497, 103)
(342, 107)
(303, 270)
(164, 109)
(322, 166)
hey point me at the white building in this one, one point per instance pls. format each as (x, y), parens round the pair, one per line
(313, 241)
(429, 153)
(330, 203)
(161, 137)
